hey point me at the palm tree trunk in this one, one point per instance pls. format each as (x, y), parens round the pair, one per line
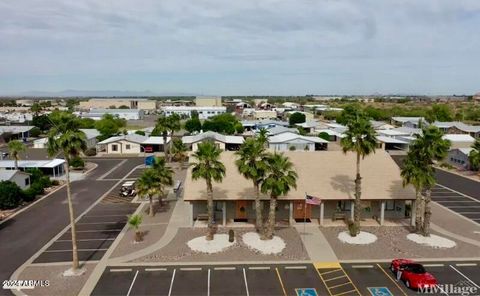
(418, 211)
(271, 218)
(166, 148)
(258, 209)
(428, 213)
(75, 263)
(210, 210)
(358, 193)
(151, 212)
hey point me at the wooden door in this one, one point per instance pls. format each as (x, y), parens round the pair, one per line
(241, 209)
(299, 210)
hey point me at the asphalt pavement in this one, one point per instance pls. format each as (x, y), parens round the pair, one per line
(22, 236)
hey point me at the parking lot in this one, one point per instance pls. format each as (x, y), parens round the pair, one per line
(458, 202)
(275, 279)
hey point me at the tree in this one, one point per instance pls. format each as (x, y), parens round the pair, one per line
(36, 108)
(109, 126)
(360, 139)
(295, 118)
(147, 185)
(65, 137)
(87, 123)
(134, 221)
(223, 123)
(14, 148)
(140, 132)
(166, 125)
(415, 174)
(474, 156)
(439, 112)
(279, 179)
(42, 122)
(251, 163)
(10, 195)
(35, 132)
(193, 125)
(208, 167)
(349, 113)
(164, 174)
(123, 107)
(179, 150)
(324, 135)
(430, 147)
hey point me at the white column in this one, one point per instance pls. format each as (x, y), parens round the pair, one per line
(224, 213)
(413, 213)
(382, 212)
(352, 209)
(322, 211)
(290, 213)
(191, 214)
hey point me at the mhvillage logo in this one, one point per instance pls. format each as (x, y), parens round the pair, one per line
(463, 288)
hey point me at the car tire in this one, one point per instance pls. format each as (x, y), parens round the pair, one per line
(391, 268)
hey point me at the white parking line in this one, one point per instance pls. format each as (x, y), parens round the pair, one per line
(466, 264)
(433, 265)
(84, 240)
(133, 282)
(208, 283)
(80, 250)
(246, 283)
(98, 216)
(457, 207)
(100, 223)
(114, 168)
(120, 269)
(190, 269)
(100, 230)
(295, 267)
(469, 213)
(224, 268)
(155, 269)
(171, 283)
(362, 266)
(465, 277)
(259, 268)
(467, 196)
(466, 201)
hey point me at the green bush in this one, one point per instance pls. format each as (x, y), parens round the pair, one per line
(35, 132)
(352, 229)
(90, 152)
(29, 194)
(141, 133)
(324, 135)
(10, 195)
(55, 183)
(77, 163)
(292, 148)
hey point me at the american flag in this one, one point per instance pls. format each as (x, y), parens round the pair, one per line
(312, 200)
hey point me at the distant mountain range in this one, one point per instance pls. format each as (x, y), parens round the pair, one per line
(95, 93)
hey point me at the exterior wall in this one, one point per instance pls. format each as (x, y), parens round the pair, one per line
(458, 159)
(22, 180)
(149, 105)
(220, 145)
(122, 147)
(208, 101)
(203, 113)
(286, 146)
(262, 115)
(104, 104)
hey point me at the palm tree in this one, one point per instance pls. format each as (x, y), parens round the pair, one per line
(474, 156)
(147, 185)
(414, 173)
(179, 150)
(65, 137)
(134, 221)
(279, 179)
(431, 147)
(173, 125)
(14, 148)
(263, 136)
(164, 174)
(209, 168)
(252, 165)
(359, 138)
(167, 125)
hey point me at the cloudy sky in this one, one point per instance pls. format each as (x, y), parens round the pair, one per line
(241, 47)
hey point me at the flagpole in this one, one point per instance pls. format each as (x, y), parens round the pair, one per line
(304, 216)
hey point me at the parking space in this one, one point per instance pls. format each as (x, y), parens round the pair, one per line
(96, 232)
(458, 202)
(336, 280)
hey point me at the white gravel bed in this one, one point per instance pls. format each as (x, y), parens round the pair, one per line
(218, 244)
(433, 241)
(363, 238)
(266, 247)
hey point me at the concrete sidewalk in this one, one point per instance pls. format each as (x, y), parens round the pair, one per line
(317, 246)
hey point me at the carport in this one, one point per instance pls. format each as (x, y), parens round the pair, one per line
(53, 168)
(154, 144)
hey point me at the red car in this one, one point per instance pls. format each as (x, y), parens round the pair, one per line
(413, 274)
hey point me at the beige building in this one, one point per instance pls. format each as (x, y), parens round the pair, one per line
(202, 101)
(131, 103)
(264, 114)
(226, 143)
(328, 176)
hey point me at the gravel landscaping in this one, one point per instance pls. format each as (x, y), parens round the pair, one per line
(392, 242)
(178, 250)
(59, 284)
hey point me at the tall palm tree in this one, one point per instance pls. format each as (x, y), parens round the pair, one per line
(208, 167)
(431, 147)
(164, 174)
(263, 136)
(179, 150)
(251, 163)
(66, 137)
(166, 126)
(279, 179)
(360, 139)
(14, 148)
(474, 156)
(148, 185)
(414, 173)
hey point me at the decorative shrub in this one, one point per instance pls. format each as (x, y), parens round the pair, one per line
(231, 236)
(90, 152)
(10, 195)
(77, 163)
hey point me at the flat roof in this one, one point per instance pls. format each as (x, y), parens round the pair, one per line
(155, 140)
(291, 137)
(390, 140)
(459, 138)
(213, 135)
(328, 175)
(32, 163)
(15, 129)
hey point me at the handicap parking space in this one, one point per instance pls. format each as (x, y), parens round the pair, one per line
(464, 205)
(375, 279)
(301, 280)
(336, 280)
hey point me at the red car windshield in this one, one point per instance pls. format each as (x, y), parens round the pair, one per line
(415, 268)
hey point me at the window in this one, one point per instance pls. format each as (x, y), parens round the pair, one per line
(390, 205)
(344, 205)
(114, 147)
(127, 146)
(27, 181)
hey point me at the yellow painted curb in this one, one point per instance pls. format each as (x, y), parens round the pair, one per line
(324, 265)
